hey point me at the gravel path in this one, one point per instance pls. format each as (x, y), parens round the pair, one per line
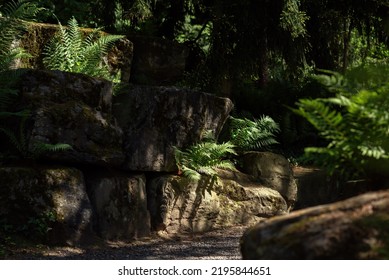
(218, 244)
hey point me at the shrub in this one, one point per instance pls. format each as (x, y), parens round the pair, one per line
(355, 123)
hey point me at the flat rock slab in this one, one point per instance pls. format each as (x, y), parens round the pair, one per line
(73, 109)
(356, 228)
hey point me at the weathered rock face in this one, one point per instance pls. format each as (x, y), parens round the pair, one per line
(177, 204)
(39, 34)
(157, 119)
(74, 109)
(273, 171)
(120, 205)
(157, 61)
(51, 202)
(356, 228)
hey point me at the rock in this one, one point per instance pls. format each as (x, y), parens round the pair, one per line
(39, 34)
(356, 228)
(157, 61)
(74, 109)
(47, 203)
(155, 120)
(273, 171)
(246, 203)
(40, 88)
(177, 204)
(120, 205)
(315, 187)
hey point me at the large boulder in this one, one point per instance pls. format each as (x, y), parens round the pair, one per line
(74, 109)
(177, 204)
(46, 203)
(273, 171)
(120, 204)
(157, 61)
(356, 228)
(155, 120)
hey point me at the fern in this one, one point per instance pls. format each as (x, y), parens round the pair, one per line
(204, 159)
(12, 26)
(70, 51)
(355, 124)
(246, 134)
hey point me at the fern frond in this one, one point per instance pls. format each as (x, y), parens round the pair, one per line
(355, 123)
(253, 135)
(70, 51)
(204, 158)
(13, 139)
(39, 148)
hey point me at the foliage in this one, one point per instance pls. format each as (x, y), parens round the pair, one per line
(204, 158)
(354, 123)
(195, 33)
(30, 150)
(36, 226)
(254, 134)
(69, 51)
(12, 27)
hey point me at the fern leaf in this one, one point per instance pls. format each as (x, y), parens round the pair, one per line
(39, 148)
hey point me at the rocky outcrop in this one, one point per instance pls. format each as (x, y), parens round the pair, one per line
(273, 171)
(177, 204)
(356, 228)
(157, 61)
(155, 120)
(120, 204)
(51, 202)
(74, 109)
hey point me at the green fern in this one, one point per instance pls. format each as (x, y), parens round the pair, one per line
(204, 159)
(33, 150)
(70, 51)
(247, 135)
(12, 26)
(355, 124)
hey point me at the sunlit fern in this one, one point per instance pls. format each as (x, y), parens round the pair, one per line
(71, 51)
(204, 159)
(256, 134)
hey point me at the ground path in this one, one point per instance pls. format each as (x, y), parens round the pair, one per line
(219, 244)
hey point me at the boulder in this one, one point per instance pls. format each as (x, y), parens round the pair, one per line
(120, 205)
(46, 203)
(273, 171)
(157, 61)
(315, 187)
(155, 120)
(74, 109)
(177, 204)
(356, 228)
